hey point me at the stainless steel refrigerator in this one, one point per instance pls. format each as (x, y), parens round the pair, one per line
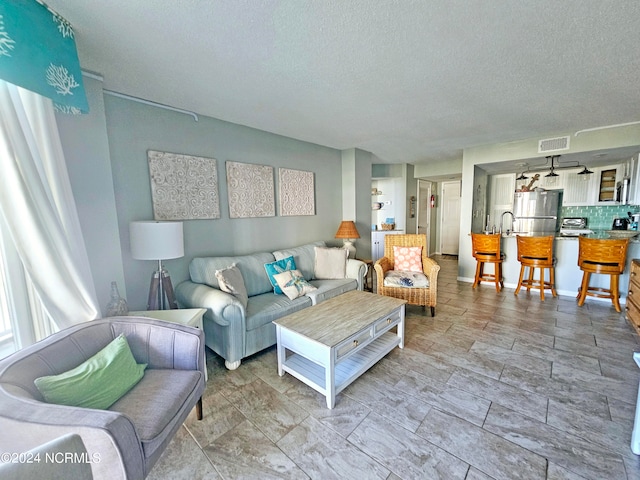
(536, 212)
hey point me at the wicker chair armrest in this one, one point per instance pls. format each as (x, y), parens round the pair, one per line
(430, 268)
(382, 266)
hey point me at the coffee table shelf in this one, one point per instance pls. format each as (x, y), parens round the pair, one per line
(346, 371)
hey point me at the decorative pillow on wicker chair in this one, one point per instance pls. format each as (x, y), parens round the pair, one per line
(407, 259)
(293, 284)
(395, 278)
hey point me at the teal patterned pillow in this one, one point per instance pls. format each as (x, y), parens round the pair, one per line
(278, 267)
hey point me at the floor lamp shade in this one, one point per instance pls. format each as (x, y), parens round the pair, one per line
(156, 240)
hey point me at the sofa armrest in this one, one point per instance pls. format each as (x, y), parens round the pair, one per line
(217, 302)
(109, 437)
(36, 463)
(358, 270)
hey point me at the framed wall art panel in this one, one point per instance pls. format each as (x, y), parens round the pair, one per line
(251, 190)
(183, 187)
(297, 192)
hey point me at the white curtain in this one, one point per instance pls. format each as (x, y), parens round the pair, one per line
(37, 204)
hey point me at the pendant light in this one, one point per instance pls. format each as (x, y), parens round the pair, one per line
(552, 173)
(586, 171)
(522, 177)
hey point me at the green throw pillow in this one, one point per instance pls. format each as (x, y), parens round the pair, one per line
(96, 383)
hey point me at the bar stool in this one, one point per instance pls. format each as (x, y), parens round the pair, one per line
(605, 256)
(486, 249)
(536, 252)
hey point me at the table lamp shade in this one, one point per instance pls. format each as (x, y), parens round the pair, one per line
(347, 229)
(152, 240)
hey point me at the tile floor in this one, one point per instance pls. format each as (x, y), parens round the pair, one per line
(495, 386)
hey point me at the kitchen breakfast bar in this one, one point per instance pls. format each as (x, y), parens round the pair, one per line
(567, 274)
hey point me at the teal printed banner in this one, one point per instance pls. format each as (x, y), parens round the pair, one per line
(38, 53)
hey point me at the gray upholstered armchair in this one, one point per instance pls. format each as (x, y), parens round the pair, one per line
(127, 439)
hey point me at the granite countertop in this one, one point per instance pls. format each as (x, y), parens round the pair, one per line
(596, 234)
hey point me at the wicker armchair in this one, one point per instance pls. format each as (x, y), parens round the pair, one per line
(413, 295)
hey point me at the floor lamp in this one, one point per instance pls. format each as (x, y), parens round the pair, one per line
(159, 241)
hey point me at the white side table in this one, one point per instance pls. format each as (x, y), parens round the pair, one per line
(191, 317)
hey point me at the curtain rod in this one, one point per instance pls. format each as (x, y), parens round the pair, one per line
(149, 102)
(606, 126)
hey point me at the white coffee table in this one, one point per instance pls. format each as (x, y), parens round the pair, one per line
(329, 345)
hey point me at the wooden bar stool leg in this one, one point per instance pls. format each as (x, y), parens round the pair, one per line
(615, 293)
(582, 294)
(500, 276)
(476, 280)
(552, 280)
(519, 280)
(542, 285)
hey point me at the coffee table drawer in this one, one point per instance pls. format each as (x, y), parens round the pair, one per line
(385, 324)
(352, 343)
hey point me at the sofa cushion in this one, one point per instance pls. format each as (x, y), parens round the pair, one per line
(203, 270)
(331, 263)
(231, 281)
(277, 267)
(327, 289)
(304, 256)
(96, 383)
(266, 308)
(293, 284)
(154, 403)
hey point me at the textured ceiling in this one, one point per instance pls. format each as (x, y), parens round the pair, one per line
(409, 81)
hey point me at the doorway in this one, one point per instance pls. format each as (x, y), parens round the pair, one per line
(450, 218)
(423, 222)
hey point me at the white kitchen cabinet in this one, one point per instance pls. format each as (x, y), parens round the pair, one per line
(501, 190)
(634, 175)
(579, 190)
(377, 242)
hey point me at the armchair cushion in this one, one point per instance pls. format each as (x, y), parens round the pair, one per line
(154, 414)
(96, 383)
(407, 259)
(395, 278)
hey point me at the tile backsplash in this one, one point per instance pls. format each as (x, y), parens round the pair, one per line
(599, 217)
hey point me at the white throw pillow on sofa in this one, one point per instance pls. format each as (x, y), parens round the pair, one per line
(231, 281)
(331, 263)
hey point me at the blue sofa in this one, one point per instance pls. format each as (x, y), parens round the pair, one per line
(234, 332)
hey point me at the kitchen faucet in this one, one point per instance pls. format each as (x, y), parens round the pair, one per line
(513, 220)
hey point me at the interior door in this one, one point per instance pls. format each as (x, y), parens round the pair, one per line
(450, 231)
(424, 211)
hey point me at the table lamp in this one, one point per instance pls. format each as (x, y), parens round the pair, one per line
(348, 232)
(151, 240)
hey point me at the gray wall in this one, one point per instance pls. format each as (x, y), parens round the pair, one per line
(134, 128)
(86, 148)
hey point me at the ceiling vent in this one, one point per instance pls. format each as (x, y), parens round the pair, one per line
(553, 144)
